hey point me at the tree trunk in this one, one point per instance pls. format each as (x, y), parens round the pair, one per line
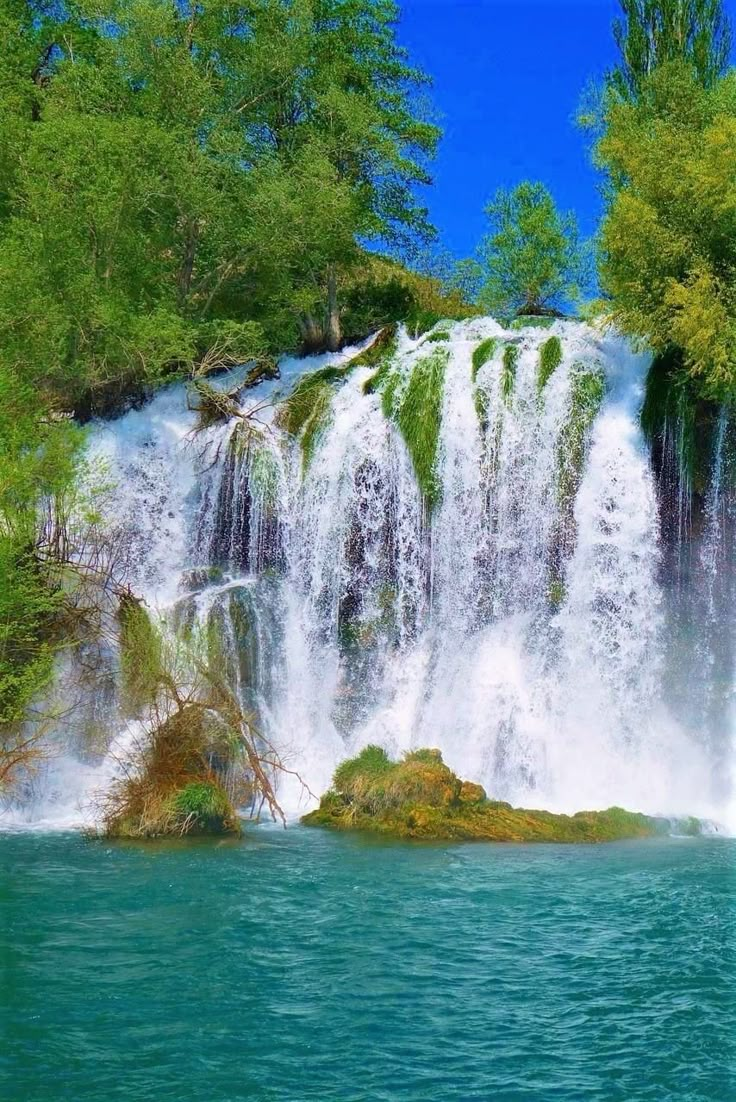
(187, 266)
(334, 331)
(311, 333)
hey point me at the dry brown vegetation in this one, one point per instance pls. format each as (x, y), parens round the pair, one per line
(196, 756)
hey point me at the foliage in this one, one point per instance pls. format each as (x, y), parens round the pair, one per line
(673, 417)
(182, 184)
(653, 32)
(38, 463)
(667, 244)
(420, 797)
(483, 354)
(550, 358)
(531, 260)
(380, 291)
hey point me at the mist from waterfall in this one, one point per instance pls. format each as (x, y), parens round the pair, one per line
(527, 625)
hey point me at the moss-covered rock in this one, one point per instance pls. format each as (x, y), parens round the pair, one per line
(420, 797)
(550, 358)
(508, 377)
(532, 321)
(415, 406)
(482, 354)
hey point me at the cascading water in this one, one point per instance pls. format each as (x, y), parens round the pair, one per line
(491, 584)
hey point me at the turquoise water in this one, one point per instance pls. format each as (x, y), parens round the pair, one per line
(301, 965)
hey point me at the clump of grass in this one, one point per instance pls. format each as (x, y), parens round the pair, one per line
(372, 783)
(201, 805)
(438, 336)
(508, 378)
(371, 763)
(550, 358)
(483, 354)
(418, 415)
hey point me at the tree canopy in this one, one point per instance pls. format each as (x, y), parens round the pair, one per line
(668, 240)
(531, 260)
(175, 177)
(653, 32)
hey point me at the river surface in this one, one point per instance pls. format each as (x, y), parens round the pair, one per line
(299, 965)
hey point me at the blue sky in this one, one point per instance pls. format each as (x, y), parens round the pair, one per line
(508, 75)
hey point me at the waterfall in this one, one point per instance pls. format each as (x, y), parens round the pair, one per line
(494, 585)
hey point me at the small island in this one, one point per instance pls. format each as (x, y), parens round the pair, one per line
(420, 797)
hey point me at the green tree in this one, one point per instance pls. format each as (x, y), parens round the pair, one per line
(668, 239)
(172, 172)
(652, 32)
(531, 260)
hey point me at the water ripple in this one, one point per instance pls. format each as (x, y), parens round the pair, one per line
(306, 967)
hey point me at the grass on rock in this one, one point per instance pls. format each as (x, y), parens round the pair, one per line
(420, 797)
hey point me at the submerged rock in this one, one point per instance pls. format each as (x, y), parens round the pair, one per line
(420, 797)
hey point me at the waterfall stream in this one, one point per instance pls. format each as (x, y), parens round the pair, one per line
(520, 618)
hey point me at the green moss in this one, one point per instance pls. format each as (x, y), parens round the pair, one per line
(316, 424)
(556, 592)
(482, 403)
(418, 415)
(586, 394)
(438, 336)
(307, 411)
(141, 661)
(550, 358)
(673, 409)
(390, 388)
(532, 321)
(382, 349)
(420, 797)
(381, 355)
(264, 474)
(483, 354)
(508, 378)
